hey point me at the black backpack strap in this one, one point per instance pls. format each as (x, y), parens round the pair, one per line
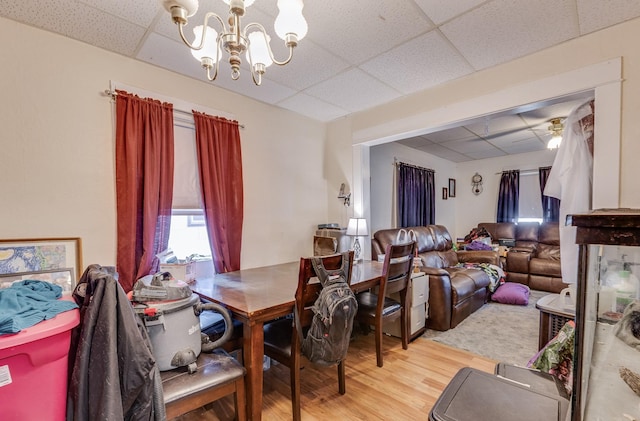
(324, 275)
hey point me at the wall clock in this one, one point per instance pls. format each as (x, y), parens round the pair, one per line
(476, 182)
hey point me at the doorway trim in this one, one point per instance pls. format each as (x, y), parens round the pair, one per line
(604, 79)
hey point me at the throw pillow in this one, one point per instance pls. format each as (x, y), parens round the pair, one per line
(512, 293)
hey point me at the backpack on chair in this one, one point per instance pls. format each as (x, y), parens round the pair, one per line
(327, 340)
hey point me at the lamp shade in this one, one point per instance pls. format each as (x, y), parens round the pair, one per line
(357, 227)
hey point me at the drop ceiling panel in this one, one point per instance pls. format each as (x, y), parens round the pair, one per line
(421, 63)
(310, 65)
(444, 153)
(523, 147)
(467, 146)
(417, 142)
(359, 31)
(456, 133)
(312, 107)
(491, 127)
(598, 14)
(78, 21)
(503, 30)
(485, 154)
(353, 90)
(141, 13)
(439, 14)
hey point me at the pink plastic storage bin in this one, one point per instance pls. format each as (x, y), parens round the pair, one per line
(33, 370)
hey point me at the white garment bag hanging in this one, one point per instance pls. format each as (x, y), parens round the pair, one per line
(570, 181)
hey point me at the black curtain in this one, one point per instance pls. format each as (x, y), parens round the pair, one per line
(550, 205)
(508, 196)
(416, 196)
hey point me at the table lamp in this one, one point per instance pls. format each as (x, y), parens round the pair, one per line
(357, 228)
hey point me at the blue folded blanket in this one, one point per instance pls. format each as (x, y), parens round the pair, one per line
(26, 303)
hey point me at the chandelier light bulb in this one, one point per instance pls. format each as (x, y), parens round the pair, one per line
(290, 19)
(210, 43)
(258, 51)
(247, 3)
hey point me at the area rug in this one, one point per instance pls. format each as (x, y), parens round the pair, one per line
(503, 332)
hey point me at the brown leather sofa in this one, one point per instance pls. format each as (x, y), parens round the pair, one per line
(454, 293)
(535, 258)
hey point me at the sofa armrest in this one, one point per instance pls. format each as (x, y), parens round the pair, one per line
(478, 256)
(440, 298)
(433, 271)
(518, 261)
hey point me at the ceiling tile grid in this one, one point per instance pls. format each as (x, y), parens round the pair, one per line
(353, 90)
(598, 14)
(312, 107)
(357, 55)
(418, 64)
(503, 30)
(358, 31)
(442, 10)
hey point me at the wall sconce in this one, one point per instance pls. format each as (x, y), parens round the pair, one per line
(346, 197)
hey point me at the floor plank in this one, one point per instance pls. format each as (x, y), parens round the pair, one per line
(406, 388)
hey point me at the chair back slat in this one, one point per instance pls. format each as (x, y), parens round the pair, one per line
(396, 270)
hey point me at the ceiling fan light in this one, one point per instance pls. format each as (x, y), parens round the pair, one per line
(554, 142)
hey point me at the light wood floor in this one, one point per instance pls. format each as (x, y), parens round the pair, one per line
(406, 387)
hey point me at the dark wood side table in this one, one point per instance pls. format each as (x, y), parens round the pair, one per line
(553, 315)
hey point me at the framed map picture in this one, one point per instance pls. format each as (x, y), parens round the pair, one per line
(40, 254)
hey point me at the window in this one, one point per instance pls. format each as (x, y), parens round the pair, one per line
(188, 234)
(530, 201)
(186, 238)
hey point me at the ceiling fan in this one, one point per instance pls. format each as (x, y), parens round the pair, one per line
(552, 128)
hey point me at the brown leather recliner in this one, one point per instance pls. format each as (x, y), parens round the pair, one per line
(454, 293)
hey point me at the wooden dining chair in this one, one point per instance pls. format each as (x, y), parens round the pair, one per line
(282, 341)
(377, 308)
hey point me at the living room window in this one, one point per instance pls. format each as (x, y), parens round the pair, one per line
(530, 201)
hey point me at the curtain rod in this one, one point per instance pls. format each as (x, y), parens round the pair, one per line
(114, 94)
(397, 162)
(526, 172)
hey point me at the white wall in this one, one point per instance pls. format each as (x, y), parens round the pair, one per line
(57, 143)
(382, 159)
(471, 209)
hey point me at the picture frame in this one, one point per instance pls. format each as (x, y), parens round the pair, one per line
(452, 187)
(64, 278)
(445, 194)
(18, 256)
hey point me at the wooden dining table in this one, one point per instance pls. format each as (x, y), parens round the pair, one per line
(258, 295)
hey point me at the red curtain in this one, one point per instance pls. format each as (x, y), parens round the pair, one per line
(220, 169)
(144, 183)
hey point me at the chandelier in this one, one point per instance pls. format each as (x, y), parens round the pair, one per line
(555, 129)
(252, 40)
